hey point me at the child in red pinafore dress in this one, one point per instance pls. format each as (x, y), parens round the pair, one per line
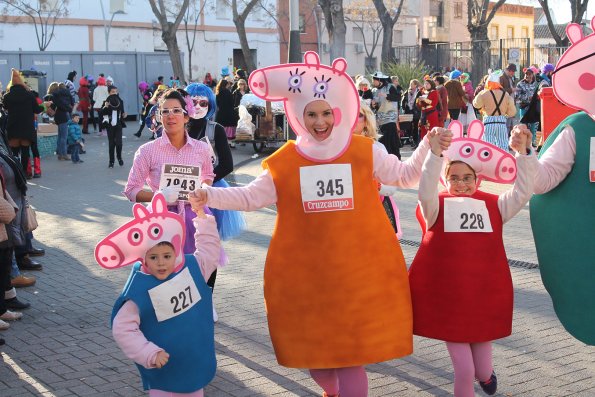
(461, 287)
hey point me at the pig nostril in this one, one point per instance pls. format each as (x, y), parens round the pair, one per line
(104, 259)
(504, 169)
(261, 85)
(511, 170)
(113, 257)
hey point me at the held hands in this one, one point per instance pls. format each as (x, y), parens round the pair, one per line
(161, 358)
(520, 138)
(198, 199)
(439, 139)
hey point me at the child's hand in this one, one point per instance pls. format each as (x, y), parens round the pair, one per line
(518, 138)
(199, 210)
(161, 358)
(198, 199)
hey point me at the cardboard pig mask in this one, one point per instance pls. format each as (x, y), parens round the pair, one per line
(297, 84)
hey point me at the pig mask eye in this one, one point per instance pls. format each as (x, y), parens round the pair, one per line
(466, 150)
(485, 154)
(295, 81)
(321, 87)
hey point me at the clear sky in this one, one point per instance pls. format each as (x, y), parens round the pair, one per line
(561, 8)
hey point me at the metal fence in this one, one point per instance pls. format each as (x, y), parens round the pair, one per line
(497, 54)
(126, 68)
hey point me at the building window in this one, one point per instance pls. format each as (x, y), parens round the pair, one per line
(302, 23)
(397, 37)
(510, 32)
(524, 32)
(437, 11)
(459, 10)
(494, 32)
(357, 35)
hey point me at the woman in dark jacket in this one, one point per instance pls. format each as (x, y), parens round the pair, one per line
(21, 106)
(409, 107)
(225, 113)
(62, 104)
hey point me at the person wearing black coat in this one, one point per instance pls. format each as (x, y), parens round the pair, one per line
(225, 113)
(112, 119)
(21, 107)
(408, 104)
(62, 104)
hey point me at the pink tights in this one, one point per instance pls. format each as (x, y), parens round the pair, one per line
(350, 381)
(470, 361)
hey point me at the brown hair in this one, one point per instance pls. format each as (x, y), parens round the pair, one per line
(172, 93)
(222, 84)
(452, 162)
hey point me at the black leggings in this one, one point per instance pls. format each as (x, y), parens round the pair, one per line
(5, 265)
(23, 153)
(390, 139)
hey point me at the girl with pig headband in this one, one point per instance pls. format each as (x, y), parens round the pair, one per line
(321, 315)
(461, 287)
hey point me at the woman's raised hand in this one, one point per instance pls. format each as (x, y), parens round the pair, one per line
(198, 199)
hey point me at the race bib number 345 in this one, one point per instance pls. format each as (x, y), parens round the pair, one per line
(465, 214)
(174, 296)
(327, 187)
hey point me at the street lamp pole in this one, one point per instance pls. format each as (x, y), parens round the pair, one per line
(295, 51)
(109, 27)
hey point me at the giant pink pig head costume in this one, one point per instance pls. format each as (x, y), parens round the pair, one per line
(297, 84)
(574, 77)
(130, 242)
(488, 161)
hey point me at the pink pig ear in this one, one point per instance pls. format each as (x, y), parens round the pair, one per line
(456, 128)
(158, 203)
(340, 65)
(574, 32)
(593, 24)
(311, 58)
(475, 129)
(140, 211)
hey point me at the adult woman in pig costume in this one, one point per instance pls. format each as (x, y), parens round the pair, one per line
(335, 281)
(563, 211)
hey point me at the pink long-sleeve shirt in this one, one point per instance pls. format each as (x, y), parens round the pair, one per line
(261, 192)
(150, 157)
(126, 324)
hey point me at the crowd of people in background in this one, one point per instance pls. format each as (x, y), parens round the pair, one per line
(435, 99)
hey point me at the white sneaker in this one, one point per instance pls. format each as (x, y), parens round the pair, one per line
(11, 316)
(4, 325)
(215, 316)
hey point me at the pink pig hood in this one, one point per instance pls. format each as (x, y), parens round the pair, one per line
(574, 77)
(489, 161)
(129, 243)
(297, 84)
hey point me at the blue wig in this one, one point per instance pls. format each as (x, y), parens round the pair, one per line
(199, 89)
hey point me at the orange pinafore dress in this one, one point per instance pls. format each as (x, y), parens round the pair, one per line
(335, 282)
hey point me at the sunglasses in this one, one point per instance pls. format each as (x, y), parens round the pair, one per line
(203, 103)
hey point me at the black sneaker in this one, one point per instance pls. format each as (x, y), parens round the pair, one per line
(111, 165)
(490, 386)
(121, 162)
(137, 134)
(16, 304)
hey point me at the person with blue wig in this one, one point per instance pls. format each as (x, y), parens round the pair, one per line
(201, 126)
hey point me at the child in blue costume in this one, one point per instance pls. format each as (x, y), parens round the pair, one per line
(163, 318)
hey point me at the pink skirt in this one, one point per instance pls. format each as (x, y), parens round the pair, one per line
(230, 132)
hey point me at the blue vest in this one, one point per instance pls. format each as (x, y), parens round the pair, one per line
(188, 337)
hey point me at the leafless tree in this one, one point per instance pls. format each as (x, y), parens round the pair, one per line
(578, 7)
(190, 20)
(164, 10)
(239, 19)
(388, 18)
(42, 14)
(479, 17)
(334, 19)
(364, 16)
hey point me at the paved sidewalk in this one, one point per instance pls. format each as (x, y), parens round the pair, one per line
(63, 345)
